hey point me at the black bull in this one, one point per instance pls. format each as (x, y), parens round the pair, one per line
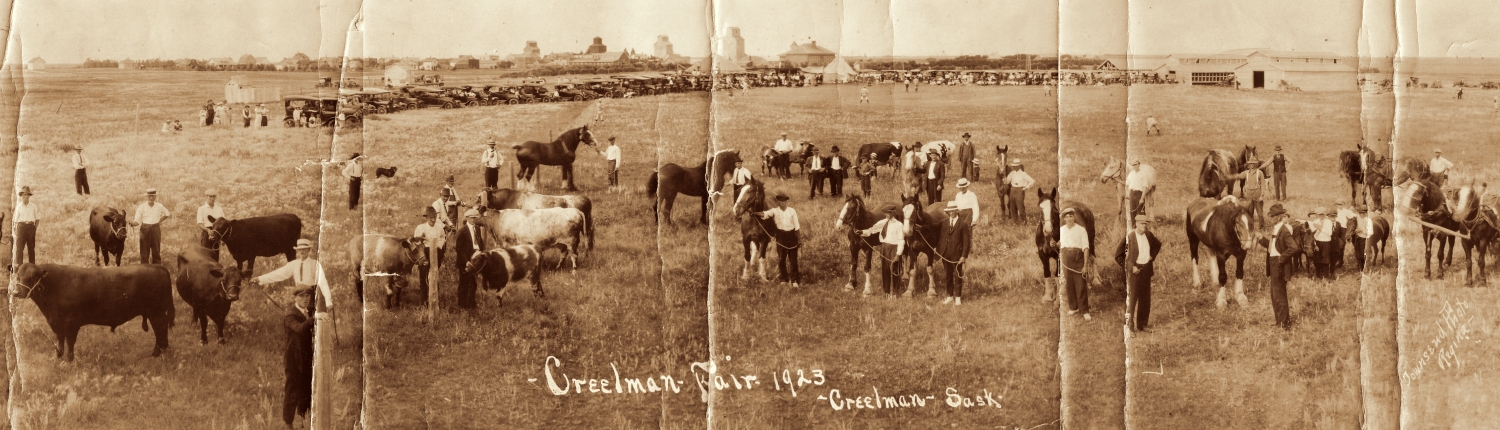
(73, 297)
(264, 236)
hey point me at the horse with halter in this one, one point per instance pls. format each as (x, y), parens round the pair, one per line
(1377, 179)
(1478, 221)
(701, 181)
(1426, 199)
(1002, 186)
(755, 232)
(924, 239)
(560, 152)
(1049, 233)
(1221, 170)
(855, 215)
(1223, 226)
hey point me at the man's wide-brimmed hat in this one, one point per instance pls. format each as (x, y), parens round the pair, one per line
(303, 244)
(1319, 211)
(952, 206)
(963, 182)
(429, 211)
(25, 191)
(966, 134)
(1276, 211)
(1015, 162)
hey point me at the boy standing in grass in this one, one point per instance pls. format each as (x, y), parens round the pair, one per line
(612, 156)
(865, 172)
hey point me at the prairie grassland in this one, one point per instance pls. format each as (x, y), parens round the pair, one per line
(1093, 352)
(1002, 339)
(238, 385)
(636, 304)
(1447, 379)
(1235, 369)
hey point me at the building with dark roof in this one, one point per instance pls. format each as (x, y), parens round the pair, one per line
(808, 54)
(598, 47)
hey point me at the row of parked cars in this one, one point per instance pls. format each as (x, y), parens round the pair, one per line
(351, 105)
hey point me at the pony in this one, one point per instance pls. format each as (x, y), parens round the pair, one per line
(857, 217)
(755, 232)
(560, 152)
(1478, 221)
(924, 238)
(1219, 173)
(1223, 226)
(672, 179)
(886, 153)
(1002, 186)
(1426, 200)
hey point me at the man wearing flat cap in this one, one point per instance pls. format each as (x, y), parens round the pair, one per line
(1137, 257)
(470, 237)
(892, 245)
(1279, 248)
(311, 302)
(788, 227)
(1075, 259)
(149, 216)
(492, 160)
(206, 214)
(956, 238)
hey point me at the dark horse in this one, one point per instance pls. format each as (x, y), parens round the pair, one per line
(1048, 232)
(1410, 169)
(1223, 226)
(1426, 199)
(560, 152)
(1478, 221)
(1349, 168)
(886, 153)
(1220, 171)
(1377, 179)
(672, 179)
(755, 232)
(1247, 154)
(857, 217)
(924, 238)
(1002, 186)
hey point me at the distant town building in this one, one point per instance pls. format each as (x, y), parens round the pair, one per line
(128, 64)
(1263, 68)
(602, 58)
(531, 55)
(663, 47)
(597, 47)
(734, 47)
(808, 54)
(247, 60)
(36, 64)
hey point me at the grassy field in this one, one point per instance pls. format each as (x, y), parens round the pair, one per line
(1002, 339)
(1235, 369)
(1445, 327)
(636, 304)
(113, 383)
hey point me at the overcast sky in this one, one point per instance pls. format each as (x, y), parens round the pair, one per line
(63, 31)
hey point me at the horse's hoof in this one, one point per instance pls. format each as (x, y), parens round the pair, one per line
(849, 287)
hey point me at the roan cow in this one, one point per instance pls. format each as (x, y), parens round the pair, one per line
(500, 266)
(505, 198)
(560, 228)
(107, 229)
(207, 286)
(263, 236)
(385, 256)
(72, 297)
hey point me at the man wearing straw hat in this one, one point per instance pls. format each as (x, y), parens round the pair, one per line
(1137, 257)
(1138, 184)
(1279, 269)
(788, 227)
(953, 249)
(892, 244)
(80, 171)
(1073, 243)
(305, 272)
(470, 238)
(966, 199)
(206, 214)
(1322, 229)
(23, 226)
(149, 216)
(1439, 167)
(1019, 181)
(432, 234)
(492, 160)
(1253, 189)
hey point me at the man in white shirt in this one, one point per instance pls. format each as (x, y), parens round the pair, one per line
(304, 272)
(966, 199)
(936, 172)
(612, 156)
(815, 168)
(80, 171)
(1439, 167)
(433, 237)
(1322, 227)
(492, 160)
(1151, 125)
(864, 94)
(1073, 244)
(837, 170)
(149, 216)
(354, 172)
(1139, 184)
(783, 150)
(788, 227)
(1137, 257)
(1019, 181)
(739, 178)
(23, 226)
(448, 195)
(892, 244)
(1342, 231)
(206, 214)
(1363, 227)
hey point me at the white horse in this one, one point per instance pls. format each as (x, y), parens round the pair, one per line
(1115, 172)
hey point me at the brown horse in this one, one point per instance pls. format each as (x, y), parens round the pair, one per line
(855, 215)
(1246, 154)
(560, 152)
(1426, 200)
(1002, 186)
(1479, 222)
(886, 154)
(672, 179)
(924, 239)
(755, 232)
(1223, 226)
(1220, 171)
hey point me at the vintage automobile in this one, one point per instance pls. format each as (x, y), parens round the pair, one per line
(323, 110)
(432, 97)
(574, 93)
(461, 94)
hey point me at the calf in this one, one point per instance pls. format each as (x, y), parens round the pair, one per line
(263, 236)
(500, 266)
(72, 297)
(387, 256)
(208, 287)
(107, 229)
(560, 228)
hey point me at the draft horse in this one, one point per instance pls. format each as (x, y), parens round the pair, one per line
(1221, 170)
(1049, 233)
(671, 179)
(755, 232)
(1425, 198)
(857, 217)
(1478, 221)
(1222, 226)
(1002, 186)
(560, 152)
(924, 239)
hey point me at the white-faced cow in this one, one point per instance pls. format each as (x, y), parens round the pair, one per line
(560, 228)
(207, 286)
(385, 256)
(73, 297)
(500, 266)
(107, 229)
(262, 236)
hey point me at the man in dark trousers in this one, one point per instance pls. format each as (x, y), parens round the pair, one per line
(934, 174)
(965, 160)
(1137, 257)
(838, 170)
(788, 240)
(1279, 269)
(24, 220)
(955, 236)
(491, 161)
(354, 172)
(300, 324)
(470, 240)
(80, 171)
(816, 166)
(1278, 174)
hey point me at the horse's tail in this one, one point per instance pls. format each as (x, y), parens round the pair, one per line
(1192, 236)
(651, 185)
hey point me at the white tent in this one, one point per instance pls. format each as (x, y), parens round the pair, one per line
(397, 74)
(838, 71)
(723, 65)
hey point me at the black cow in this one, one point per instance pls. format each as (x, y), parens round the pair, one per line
(72, 297)
(107, 228)
(262, 236)
(385, 172)
(208, 287)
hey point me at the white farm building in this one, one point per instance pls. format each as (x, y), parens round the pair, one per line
(1262, 68)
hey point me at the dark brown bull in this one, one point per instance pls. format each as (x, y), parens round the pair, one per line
(107, 229)
(385, 256)
(262, 236)
(500, 266)
(207, 286)
(73, 297)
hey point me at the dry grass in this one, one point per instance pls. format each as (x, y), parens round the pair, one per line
(113, 383)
